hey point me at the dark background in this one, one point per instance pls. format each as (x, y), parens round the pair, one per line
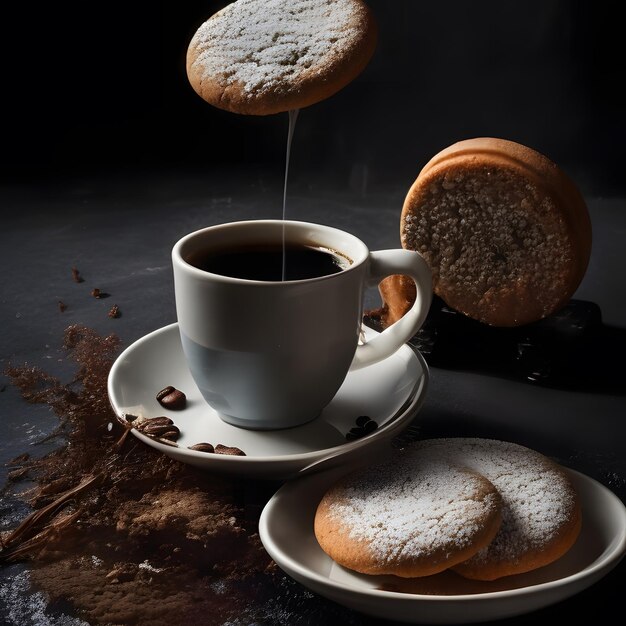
(108, 157)
(93, 89)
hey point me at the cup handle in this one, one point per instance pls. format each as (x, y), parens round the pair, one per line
(384, 263)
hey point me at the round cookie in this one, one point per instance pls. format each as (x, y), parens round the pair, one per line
(541, 515)
(506, 233)
(411, 517)
(259, 57)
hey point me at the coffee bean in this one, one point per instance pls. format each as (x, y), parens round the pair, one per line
(364, 426)
(172, 433)
(159, 427)
(172, 398)
(161, 420)
(202, 447)
(355, 433)
(370, 427)
(362, 420)
(221, 449)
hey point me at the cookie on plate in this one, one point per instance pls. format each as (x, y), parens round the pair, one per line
(259, 57)
(414, 516)
(510, 508)
(541, 515)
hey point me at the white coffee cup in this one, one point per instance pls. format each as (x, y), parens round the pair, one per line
(272, 354)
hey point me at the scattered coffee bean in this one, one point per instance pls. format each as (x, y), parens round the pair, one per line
(355, 433)
(62, 306)
(162, 427)
(173, 433)
(221, 449)
(364, 426)
(362, 420)
(114, 311)
(370, 427)
(202, 447)
(172, 398)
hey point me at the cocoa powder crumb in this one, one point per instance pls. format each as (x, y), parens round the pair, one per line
(20, 458)
(114, 311)
(76, 276)
(16, 474)
(97, 293)
(62, 306)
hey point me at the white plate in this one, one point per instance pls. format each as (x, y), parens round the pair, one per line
(390, 392)
(286, 530)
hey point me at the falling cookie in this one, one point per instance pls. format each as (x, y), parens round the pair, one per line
(259, 57)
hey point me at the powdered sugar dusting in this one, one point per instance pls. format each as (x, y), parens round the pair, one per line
(415, 506)
(537, 498)
(265, 44)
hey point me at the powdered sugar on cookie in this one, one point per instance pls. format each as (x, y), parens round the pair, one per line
(259, 57)
(484, 508)
(413, 516)
(411, 509)
(264, 44)
(540, 514)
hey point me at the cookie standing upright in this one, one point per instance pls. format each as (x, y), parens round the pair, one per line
(258, 57)
(504, 230)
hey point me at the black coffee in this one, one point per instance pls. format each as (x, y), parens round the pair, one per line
(265, 262)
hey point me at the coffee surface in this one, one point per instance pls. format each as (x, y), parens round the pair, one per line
(265, 262)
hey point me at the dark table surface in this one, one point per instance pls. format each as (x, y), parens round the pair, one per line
(118, 231)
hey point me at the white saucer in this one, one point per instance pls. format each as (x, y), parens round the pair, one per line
(286, 530)
(390, 393)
